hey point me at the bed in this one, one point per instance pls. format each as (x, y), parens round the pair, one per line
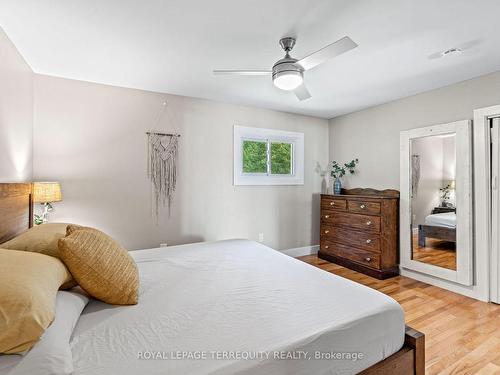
(239, 307)
(440, 225)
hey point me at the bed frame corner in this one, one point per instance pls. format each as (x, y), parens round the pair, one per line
(416, 340)
(409, 360)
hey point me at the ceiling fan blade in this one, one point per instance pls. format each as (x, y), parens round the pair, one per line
(326, 53)
(302, 92)
(243, 72)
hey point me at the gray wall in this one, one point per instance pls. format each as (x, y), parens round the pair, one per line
(372, 135)
(16, 114)
(430, 150)
(90, 137)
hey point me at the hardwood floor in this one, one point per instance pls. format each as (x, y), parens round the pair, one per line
(462, 334)
(437, 252)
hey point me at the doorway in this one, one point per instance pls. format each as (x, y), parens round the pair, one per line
(495, 211)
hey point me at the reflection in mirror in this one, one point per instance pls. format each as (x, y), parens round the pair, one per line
(433, 211)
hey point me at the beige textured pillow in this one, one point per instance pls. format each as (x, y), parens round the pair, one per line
(72, 227)
(28, 288)
(39, 239)
(100, 265)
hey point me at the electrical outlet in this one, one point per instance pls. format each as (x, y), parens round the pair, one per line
(164, 244)
(261, 237)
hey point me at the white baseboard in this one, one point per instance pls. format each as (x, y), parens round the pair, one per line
(467, 291)
(300, 251)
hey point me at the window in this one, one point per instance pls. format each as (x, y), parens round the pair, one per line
(254, 156)
(281, 158)
(268, 157)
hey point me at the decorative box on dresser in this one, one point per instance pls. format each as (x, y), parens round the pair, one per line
(360, 231)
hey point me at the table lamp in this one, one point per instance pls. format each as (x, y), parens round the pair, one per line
(46, 193)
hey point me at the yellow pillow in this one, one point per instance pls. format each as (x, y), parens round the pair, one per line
(39, 239)
(100, 265)
(72, 227)
(28, 288)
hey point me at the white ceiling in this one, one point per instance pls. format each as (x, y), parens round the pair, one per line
(172, 46)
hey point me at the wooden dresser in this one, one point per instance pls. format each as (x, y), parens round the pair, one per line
(360, 230)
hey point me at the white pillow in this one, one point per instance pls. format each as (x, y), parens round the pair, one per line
(8, 361)
(52, 354)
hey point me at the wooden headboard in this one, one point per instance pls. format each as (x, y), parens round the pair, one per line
(16, 209)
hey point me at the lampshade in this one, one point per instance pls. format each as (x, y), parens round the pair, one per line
(288, 80)
(44, 192)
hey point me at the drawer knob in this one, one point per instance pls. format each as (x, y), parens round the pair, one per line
(327, 231)
(327, 216)
(326, 246)
(368, 259)
(368, 222)
(362, 206)
(368, 241)
(332, 203)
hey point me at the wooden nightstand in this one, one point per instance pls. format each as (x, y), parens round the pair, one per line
(441, 210)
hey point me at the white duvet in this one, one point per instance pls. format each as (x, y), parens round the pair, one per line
(221, 304)
(446, 219)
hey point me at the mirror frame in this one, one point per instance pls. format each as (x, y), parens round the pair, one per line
(463, 192)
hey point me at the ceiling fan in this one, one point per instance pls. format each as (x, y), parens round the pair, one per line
(288, 73)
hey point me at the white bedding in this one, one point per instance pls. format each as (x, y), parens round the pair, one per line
(52, 354)
(234, 297)
(446, 219)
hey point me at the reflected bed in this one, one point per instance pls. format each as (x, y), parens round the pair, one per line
(440, 226)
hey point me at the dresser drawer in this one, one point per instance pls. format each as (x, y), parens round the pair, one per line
(364, 207)
(356, 221)
(337, 204)
(327, 216)
(364, 257)
(325, 245)
(362, 240)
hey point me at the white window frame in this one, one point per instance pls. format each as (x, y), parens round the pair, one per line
(244, 133)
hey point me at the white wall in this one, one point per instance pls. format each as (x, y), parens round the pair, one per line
(372, 135)
(437, 168)
(449, 158)
(90, 137)
(16, 114)
(430, 150)
(449, 164)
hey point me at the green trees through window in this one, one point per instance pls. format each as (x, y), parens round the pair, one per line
(255, 157)
(281, 158)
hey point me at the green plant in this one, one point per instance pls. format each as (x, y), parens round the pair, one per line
(38, 219)
(339, 171)
(445, 192)
(41, 218)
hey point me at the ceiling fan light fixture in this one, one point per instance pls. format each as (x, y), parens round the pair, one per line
(288, 72)
(288, 80)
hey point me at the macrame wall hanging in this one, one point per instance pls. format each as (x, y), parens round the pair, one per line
(163, 151)
(415, 174)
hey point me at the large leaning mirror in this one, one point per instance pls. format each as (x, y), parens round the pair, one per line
(433, 204)
(436, 236)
